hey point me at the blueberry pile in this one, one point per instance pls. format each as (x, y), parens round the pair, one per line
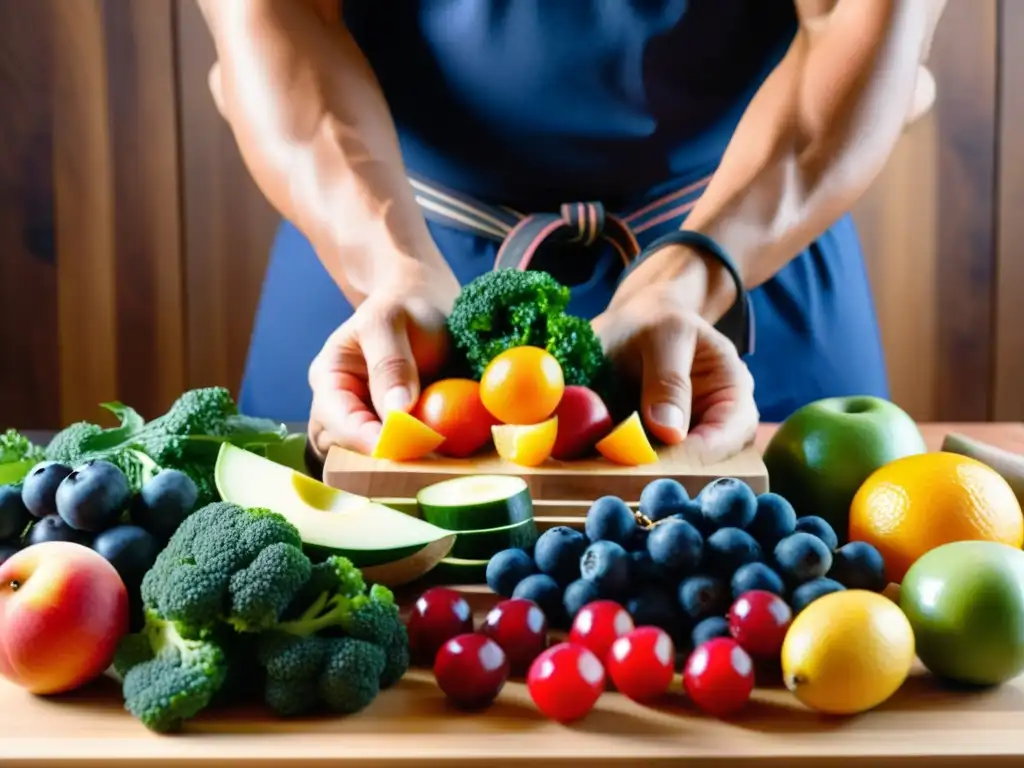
(679, 563)
(93, 505)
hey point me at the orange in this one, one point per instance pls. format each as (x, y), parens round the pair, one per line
(528, 445)
(628, 444)
(522, 385)
(405, 438)
(915, 504)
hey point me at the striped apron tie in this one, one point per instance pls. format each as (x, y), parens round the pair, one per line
(588, 224)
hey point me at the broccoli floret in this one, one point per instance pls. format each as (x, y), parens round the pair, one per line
(508, 308)
(15, 448)
(350, 680)
(572, 342)
(198, 582)
(345, 641)
(176, 680)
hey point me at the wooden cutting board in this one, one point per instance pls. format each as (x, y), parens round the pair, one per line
(578, 481)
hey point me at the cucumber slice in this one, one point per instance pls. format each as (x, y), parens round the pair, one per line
(454, 570)
(476, 502)
(479, 545)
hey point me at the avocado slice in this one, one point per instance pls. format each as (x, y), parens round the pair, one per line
(397, 547)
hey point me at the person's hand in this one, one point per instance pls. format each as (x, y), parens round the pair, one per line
(373, 362)
(694, 386)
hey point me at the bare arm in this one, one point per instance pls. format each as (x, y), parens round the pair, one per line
(316, 134)
(811, 142)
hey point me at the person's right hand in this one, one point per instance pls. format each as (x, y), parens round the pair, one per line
(373, 362)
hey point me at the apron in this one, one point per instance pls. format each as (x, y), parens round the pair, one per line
(553, 185)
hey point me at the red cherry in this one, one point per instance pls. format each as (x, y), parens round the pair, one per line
(598, 625)
(642, 663)
(719, 677)
(758, 621)
(520, 628)
(471, 670)
(437, 616)
(566, 681)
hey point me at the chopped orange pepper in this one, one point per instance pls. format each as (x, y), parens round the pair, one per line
(403, 437)
(628, 444)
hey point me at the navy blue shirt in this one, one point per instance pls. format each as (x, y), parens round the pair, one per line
(535, 102)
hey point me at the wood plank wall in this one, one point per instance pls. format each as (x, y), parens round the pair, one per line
(133, 244)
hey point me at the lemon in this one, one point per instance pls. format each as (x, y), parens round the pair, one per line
(847, 652)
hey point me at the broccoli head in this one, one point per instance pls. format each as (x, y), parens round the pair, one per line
(227, 564)
(15, 448)
(338, 645)
(508, 308)
(166, 678)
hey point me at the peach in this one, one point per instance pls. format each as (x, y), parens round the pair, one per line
(63, 610)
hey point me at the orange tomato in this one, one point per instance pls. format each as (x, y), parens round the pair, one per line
(452, 407)
(522, 385)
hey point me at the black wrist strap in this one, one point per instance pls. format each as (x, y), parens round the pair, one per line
(738, 323)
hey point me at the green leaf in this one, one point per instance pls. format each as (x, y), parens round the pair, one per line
(15, 473)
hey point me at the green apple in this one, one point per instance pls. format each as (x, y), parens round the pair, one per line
(965, 602)
(823, 453)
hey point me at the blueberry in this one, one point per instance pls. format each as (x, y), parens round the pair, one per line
(53, 528)
(638, 541)
(817, 526)
(676, 546)
(558, 551)
(807, 593)
(774, 520)
(692, 513)
(662, 498)
(703, 596)
(642, 570)
(578, 594)
(164, 503)
(39, 488)
(607, 565)
(858, 565)
(7, 551)
(546, 593)
(131, 550)
(728, 503)
(93, 496)
(802, 557)
(507, 568)
(709, 629)
(653, 605)
(14, 517)
(756, 576)
(729, 548)
(610, 519)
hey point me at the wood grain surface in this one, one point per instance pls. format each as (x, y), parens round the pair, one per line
(923, 724)
(583, 480)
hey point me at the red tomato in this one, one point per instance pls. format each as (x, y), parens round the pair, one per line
(452, 407)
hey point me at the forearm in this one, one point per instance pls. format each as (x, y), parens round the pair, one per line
(813, 139)
(317, 137)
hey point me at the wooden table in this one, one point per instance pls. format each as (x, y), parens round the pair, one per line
(412, 723)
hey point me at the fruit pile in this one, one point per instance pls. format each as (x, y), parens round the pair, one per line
(92, 504)
(679, 563)
(523, 408)
(605, 647)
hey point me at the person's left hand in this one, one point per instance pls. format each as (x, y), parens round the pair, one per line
(694, 386)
